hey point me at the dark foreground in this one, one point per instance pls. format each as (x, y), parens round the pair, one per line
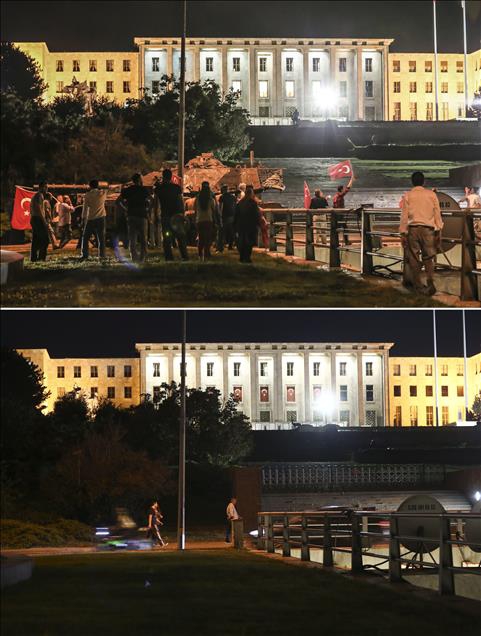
(215, 592)
(63, 281)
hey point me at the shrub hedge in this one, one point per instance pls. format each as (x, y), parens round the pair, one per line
(15, 534)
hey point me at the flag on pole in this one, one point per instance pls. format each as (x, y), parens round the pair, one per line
(307, 196)
(21, 209)
(340, 170)
(176, 179)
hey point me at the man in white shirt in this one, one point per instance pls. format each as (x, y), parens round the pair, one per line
(420, 230)
(471, 197)
(93, 219)
(232, 515)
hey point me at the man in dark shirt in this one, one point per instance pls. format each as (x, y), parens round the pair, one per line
(318, 202)
(227, 203)
(172, 218)
(246, 223)
(136, 199)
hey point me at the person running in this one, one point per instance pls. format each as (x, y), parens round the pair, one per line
(65, 209)
(420, 230)
(93, 218)
(227, 203)
(231, 515)
(172, 218)
(246, 223)
(136, 199)
(205, 212)
(154, 524)
(40, 238)
(338, 202)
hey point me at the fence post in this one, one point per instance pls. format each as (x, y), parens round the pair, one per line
(356, 549)
(310, 256)
(334, 256)
(305, 552)
(286, 544)
(469, 286)
(289, 235)
(260, 533)
(327, 559)
(366, 243)
(394, 551)
(446, 575)
(272, 233)
(270, 534)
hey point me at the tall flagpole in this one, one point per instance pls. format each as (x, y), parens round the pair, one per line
(436, 106)
(436, 407)
(182, 427)
(466, 402)
(466, 96)
(181, 142)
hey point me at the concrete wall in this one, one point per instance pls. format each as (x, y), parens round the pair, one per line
(466, 175)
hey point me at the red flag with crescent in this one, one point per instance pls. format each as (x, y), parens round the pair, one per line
(237, 391)
(307, 196)
(264, 391)
(340, 170)
(21, 209)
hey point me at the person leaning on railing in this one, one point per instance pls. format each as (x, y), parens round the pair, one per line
(420, 230)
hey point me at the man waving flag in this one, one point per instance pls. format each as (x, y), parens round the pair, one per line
(340, 170)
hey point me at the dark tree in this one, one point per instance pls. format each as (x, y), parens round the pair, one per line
(20, 74)
(22, 381)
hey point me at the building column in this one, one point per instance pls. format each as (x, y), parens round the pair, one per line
(332, 67)
(170, 60)
(170, 366)
(360, 391)
(386, 389)
(277, 88)
(196, 55)
(224, 75)
(252, 82)
(277, 388)
(385, 82)
(360, 84)
(141, 72)
(225, 375)
(306, 89)
(197, 370)
(307, 390)
(142, 368)
(253, 383)
(332, 356)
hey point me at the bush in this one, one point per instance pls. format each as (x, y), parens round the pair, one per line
(17, 534)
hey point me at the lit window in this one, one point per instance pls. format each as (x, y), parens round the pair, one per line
(460, 391)
(412, 66)
(156, 370)
(109, 66)
(396, 370)
(459, 66)
(109, 87)
(444, 87)
(237, 86)
(368, 368)
(445, 415)
(316, 63)
(237, 368)
(429, 87)
(429, 416)
(428, 66)
(343, 393)
(397, 87)
(413, 415)
(413, 87)
(444, 66)
(412, 369)
(316, 368)
(444, 369)
(126, 66)
(209, 64)
(368, 65)
(92, 66)
(290, 90)
(210, 369)
(236, 64)
(396, 66)
(263, 88)
(397, 111)
(60, 391)
(342, 64)
(289, 64)
(263, 366)
(459, 369)
(342, 368)
(459, 87)
(290, 368)
(263, 64)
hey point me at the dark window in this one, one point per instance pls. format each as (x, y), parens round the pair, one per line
(413, 391)
(94, 372)
(397, 390)
(77, 372)
(429, 391)
(128, 392)
(111, 392)
(110, 371)
(127, 371)
(369, 393)
(445, 391)
(60, 372)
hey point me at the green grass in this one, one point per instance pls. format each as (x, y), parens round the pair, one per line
(212, 592)
(63, 281)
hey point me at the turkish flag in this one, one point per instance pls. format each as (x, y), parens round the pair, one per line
(177, 180)
(291, 394)
(237, 390)
(307, 196)
(264, 393)
(21, 209)
(340, 170)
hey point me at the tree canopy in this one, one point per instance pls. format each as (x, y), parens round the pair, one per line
(20, 73)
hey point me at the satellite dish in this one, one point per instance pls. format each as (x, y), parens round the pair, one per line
(472, 529)
(426, 528)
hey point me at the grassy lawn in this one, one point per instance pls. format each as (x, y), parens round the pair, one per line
(63, 281)
(212, 592)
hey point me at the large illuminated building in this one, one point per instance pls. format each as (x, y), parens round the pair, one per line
(347, 79)
(276, 384)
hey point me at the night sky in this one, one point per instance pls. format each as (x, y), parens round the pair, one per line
(104, 26)
(103, 333)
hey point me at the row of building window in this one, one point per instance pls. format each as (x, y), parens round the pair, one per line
(413, 391)
(428, 66)
(428, 87)
(317, 416)
(263, 369)
(94, 371)
(428, 369)
(94, 392)
(413, 111)
(413, 416)
(92, 66)
(109, 87)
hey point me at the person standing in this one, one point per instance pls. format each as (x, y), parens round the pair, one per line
(65, 209)
(137, 201)
(40, 238)
(155, 523)
(205, 212)
(231, 515)
(172, 218)
(246, 223)
(420, 230)
(318, 202)
(471, 197)
(227, 205)
(338, 202)
(93, 218)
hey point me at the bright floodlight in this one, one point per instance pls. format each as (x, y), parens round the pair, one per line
(327, 404)
(477, 495)
(325, 97)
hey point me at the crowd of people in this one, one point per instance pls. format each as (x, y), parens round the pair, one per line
(150, 217)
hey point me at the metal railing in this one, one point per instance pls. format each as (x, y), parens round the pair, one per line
(329, 476)
(367, 240)
(361, 535)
